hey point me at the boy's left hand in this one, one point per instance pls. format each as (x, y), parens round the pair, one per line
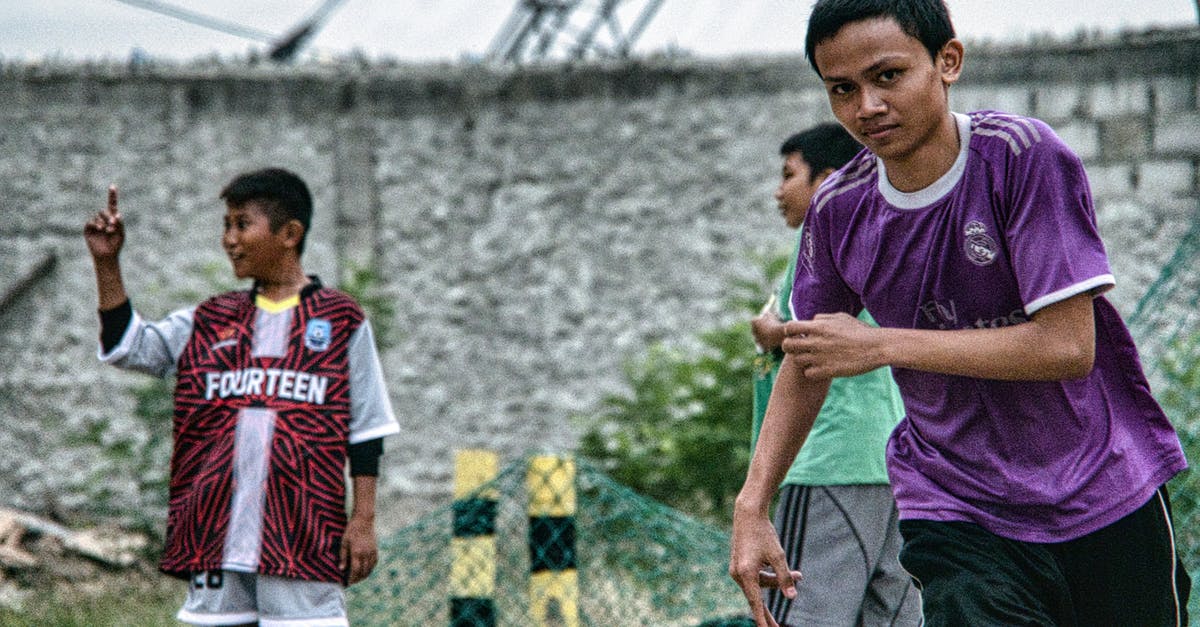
(359, 550)
(767, 330)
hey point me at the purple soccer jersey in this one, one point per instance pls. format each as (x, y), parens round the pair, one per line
(1007, 231)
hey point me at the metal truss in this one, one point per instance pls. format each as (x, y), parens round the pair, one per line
(540, 30)
(283, 47)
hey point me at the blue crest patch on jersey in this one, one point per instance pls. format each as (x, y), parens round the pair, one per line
(317, 334)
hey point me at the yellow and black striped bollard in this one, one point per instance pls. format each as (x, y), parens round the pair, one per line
(553, 579)
(473, 547)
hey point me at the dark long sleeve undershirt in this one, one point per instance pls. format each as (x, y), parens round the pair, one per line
(113, 323)
(364, 458)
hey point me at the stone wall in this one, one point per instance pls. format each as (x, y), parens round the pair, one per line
(531, 230)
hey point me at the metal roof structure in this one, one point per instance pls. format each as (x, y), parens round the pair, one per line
(539, 30)
(283, 47)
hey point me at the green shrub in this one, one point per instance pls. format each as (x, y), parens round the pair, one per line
(681, 434)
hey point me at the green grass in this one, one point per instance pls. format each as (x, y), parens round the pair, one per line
(145, 601)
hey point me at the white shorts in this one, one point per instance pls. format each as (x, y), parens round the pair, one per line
(224, 597)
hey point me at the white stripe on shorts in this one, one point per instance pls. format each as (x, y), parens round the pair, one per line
(303, 622)
(235, 618)
(1162, 504)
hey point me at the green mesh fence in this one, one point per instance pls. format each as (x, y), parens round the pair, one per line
(1166, 326)
(637, 562)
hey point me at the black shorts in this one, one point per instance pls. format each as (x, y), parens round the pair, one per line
(1126, 574)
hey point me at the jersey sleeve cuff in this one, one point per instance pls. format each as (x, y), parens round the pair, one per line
(389, 428)
(1097, 284)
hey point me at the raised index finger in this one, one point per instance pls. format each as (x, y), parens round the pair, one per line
(112, 200)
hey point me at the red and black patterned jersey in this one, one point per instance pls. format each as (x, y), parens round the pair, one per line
(305, 390)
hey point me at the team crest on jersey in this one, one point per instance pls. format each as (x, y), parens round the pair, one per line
(981, 249)
(225, 337)
(317, 334)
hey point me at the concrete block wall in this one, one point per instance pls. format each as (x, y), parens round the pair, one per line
(533, 230)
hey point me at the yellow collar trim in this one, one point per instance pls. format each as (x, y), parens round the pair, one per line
(272, 306)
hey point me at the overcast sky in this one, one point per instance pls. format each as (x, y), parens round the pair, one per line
(451, 30)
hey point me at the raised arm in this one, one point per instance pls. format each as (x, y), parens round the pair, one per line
(1059, 342)
(795, 402)
(105, 235)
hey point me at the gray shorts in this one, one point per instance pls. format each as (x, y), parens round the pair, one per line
(845, 541)
(224, 597)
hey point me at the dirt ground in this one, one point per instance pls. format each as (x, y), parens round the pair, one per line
(53, 575)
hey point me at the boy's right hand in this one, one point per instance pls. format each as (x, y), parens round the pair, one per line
(757, 562)
(105, 231)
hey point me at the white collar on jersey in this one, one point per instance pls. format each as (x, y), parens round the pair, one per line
(939, 188)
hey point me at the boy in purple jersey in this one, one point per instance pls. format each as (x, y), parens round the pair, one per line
(1029, 470)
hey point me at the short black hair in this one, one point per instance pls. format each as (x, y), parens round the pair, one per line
(826, 146)
(926, 20)
(283, 193)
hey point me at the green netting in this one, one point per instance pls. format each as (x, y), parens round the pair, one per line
(638, 562)
(1166, 326)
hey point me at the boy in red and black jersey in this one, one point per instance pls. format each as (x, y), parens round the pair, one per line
(277, 389)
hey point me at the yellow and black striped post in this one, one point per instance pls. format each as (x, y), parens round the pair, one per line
(473, 547)
(553, 580)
